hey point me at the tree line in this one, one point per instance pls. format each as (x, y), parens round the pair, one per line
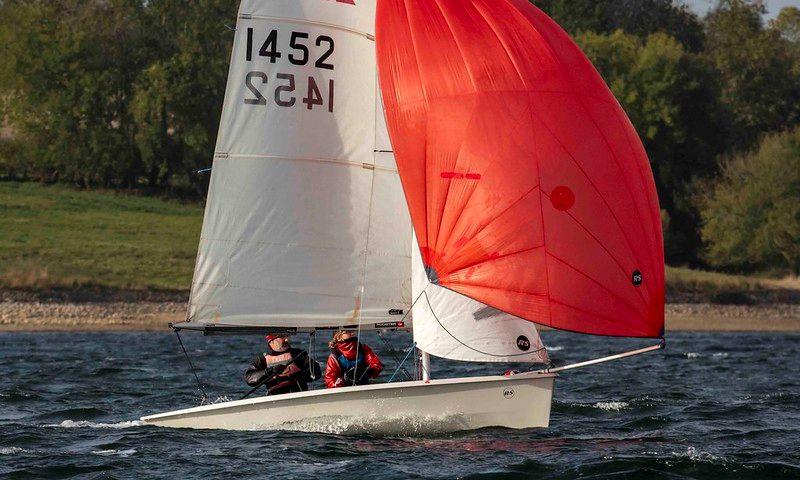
(126, 94)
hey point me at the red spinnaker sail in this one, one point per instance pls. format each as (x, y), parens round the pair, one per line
(528, 187)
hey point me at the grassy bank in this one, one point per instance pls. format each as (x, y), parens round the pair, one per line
(54, 237)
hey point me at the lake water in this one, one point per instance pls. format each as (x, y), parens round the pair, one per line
(709, 406)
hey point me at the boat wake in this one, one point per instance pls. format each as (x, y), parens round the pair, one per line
(88, 424)
(398, 425)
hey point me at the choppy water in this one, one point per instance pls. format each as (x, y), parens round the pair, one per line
(710, 406)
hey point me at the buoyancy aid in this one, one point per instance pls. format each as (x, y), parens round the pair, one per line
(354, 370)
(288, 379)
(347, 364)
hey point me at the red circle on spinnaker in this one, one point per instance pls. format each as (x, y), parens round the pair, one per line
(562, 198)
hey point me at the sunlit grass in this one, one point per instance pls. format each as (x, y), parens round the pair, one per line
(718, 285)
(53, 236)
(57, 237)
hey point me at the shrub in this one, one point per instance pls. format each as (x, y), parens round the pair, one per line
(751, 215)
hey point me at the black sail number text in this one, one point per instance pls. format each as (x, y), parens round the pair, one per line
(285, 92)
(298, 43)
(248, 81)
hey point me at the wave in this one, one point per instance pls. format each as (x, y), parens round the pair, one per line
(88, 424)
(612, 406)
(81, 413)
(692, 355)
(609, 406)
(555, 348)
(696, 455)
(119, 453)
(11, 450)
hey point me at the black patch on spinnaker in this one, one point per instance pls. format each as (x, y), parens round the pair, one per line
(636, 278)
(432, 275)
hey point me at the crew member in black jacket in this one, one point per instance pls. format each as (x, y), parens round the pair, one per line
(287, 369)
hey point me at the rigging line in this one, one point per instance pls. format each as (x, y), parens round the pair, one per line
(471, 348)
(416, 362)
(358, 330)
(397, 360)
(364, 269)
(400, 366)
(205, 395)
(311, 360)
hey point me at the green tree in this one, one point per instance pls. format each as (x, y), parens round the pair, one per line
(68, 77)
(178, 98)
(752, 214)
(755, 68)
(637, 17)
(787, 25)
(670, 97)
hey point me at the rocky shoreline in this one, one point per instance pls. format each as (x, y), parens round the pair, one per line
(26, 311)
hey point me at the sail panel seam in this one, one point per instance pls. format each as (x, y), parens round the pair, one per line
(599, 194)
(608, 320)
(297, 245)
(331, 295)
(596, 282)
(316, 23)
(334, 161)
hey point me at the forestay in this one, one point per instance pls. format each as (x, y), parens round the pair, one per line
(450, 325)
(528, 187)
(306, 225)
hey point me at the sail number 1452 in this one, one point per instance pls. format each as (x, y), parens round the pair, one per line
(289, 87)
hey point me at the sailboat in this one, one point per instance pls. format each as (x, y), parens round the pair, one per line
(453, 167)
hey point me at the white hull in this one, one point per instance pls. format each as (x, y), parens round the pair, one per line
(518, 401)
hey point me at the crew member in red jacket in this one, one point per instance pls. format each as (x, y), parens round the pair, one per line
(343, 368)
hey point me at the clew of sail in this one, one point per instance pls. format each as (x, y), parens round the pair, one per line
(305, 225)
(528, 187)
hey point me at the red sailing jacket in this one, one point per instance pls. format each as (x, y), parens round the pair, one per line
(334, 370)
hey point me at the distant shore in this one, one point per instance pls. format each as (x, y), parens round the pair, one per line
(25, 312)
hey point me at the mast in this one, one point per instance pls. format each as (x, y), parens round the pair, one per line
(426, 365)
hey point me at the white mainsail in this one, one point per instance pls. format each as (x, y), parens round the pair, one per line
(306, 225)
(450, 325)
